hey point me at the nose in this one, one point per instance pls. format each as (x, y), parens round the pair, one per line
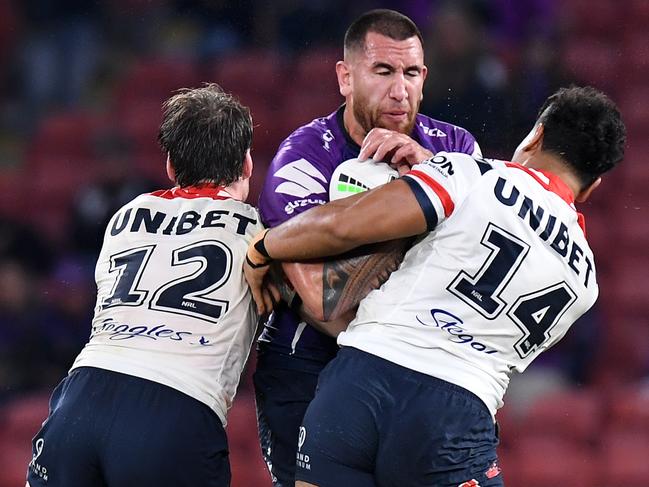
(398, 90)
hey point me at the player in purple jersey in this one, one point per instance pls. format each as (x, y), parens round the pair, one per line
(500, 270)
(381, 78)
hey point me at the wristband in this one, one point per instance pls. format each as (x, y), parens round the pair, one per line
(257, 255)
(255, 266)
(260, 245)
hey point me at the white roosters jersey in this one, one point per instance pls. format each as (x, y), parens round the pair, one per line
(502, 274)
(172, 303)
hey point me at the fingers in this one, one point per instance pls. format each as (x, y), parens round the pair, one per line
(268, 298)
(373, 139)
(274, 291)
(268, 302)
(402, 169)
(265, 294)
(410, 154)
(392, 147)
(256, 288)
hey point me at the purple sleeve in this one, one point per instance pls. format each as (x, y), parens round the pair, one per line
(466, 143)
(297, 179)
(439, 136)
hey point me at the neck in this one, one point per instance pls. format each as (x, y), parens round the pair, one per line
(238, 190)
(543, 161)
(354, 129)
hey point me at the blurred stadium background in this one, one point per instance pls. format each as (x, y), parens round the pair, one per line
(81, 83)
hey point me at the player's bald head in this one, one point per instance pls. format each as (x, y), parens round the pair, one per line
(389, 23)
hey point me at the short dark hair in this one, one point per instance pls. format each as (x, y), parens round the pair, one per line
(389, 23)
(583, 127)
(206, 133)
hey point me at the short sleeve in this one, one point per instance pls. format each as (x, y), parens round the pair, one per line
(441, 183)
(297, 180)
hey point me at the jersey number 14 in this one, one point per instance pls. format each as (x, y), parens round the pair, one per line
(534, 313)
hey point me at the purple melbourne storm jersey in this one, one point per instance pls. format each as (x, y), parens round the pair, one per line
(298, 179)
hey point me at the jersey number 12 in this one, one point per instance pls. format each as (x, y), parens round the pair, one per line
(186, 295)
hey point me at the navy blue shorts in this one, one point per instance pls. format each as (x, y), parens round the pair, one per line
(282, 397)
(114, 430)
(375, 423)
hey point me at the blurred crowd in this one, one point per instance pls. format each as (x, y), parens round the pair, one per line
(80, 92)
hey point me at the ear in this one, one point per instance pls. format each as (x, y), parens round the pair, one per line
(534, 140)
(344, 74)
(171, 172)
(585, 194)
(247, 166)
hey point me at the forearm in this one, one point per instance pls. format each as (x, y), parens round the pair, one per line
(386, 213)
(313, 234)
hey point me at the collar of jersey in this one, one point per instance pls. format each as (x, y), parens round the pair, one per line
(341, 122)
(206, 190)
(549, 181)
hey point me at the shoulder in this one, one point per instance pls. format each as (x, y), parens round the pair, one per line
(438, 128)
(461, 168)
(299, 174)
(445, 136)
(314, 141)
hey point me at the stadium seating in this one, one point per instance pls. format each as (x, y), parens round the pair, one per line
(628, 410)
(251, 74)
(591, 61)
(155, 79)
(315, 71)
(21, 420)
(544, 462)
(248, 468)
(624, 458)
(592, 18)
(571, 415)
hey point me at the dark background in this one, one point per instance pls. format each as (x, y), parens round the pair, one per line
(81, 86)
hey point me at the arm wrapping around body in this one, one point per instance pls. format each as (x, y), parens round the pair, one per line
(329, 291)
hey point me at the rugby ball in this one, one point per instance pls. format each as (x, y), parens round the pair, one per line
(354, 176)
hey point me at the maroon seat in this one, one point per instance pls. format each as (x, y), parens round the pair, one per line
(250, 74)
(624, 458)
(591, 61)
(596, 18)
(550, 461)
(628, 409)
(573, 415)
(155, 79)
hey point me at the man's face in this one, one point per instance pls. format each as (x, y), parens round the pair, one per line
(386, 81)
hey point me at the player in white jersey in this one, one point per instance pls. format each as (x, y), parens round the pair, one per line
(146, 400)
(500, 271)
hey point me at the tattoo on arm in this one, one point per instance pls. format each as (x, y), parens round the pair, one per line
(351, 277)
(286, 290)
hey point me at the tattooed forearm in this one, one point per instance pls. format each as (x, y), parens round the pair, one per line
(351, 277)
